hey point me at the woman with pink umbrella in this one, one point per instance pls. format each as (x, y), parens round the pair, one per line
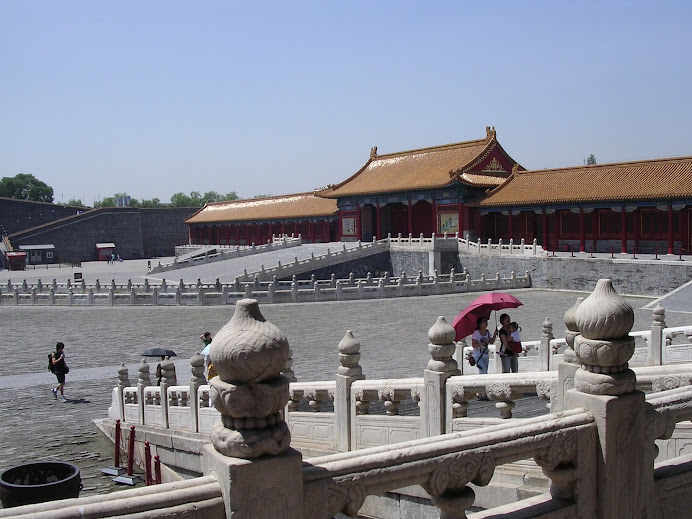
(469, 322)
(481, 340)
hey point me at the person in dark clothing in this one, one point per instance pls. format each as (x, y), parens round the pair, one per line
(60, 369)
(510, 361)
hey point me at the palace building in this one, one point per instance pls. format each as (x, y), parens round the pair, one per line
(476, 189)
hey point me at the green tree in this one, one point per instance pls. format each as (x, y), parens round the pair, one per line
(26, 187)
(590, 160)
(261, 196)
(77, 202)
(154, 202)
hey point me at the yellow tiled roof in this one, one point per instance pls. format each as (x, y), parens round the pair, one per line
(300, 205)
(424, 168)
(658, 179)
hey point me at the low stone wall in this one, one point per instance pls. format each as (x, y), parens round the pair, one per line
(636, 277)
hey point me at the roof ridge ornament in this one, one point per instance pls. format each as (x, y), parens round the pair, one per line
(373, 152)
(515, 169)
(490, 133)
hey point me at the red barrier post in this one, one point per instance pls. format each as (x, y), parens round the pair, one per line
(116, 461)
(157, 470)
(131, 452)
(147, 463)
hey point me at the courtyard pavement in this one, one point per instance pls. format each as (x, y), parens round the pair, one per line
(392, 332)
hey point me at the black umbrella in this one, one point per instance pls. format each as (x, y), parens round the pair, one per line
(158, 352)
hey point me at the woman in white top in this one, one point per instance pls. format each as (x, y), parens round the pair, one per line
(480, 340)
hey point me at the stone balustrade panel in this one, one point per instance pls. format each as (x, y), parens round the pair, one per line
(131, 403)
(179, 410)
(152, 406)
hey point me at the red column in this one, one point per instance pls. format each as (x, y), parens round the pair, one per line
(594, 230)
(670, 229)
(434, 217)
(623, 231)
(296, 229)
(379, 222)
(359, 226)
(237, 234)
(410, 217)
(546, 243)
(311, 231)
(247, 234)
(637, 217)
(510, 228)
(338, 226)
(460, 217)
(582, 236)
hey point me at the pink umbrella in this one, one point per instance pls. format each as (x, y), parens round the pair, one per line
(465, 322)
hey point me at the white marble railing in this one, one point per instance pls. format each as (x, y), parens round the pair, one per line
(465, 246)
(295, 291)
(224, 252)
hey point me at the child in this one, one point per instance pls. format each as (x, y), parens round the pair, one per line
(514, 337)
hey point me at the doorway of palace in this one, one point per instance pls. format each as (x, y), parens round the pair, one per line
(393, 220)
(422, 218)
(368, 220)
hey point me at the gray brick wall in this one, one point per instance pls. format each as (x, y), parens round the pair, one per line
(17, 215)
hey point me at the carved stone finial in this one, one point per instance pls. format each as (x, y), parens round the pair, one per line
(442, 347)
(288, 368)
(373, 152)
(603, 346)
(144, 374)
(349, 356)
(249, 354)
(660, 314)
(197, 368)
(548, 328)
(572, 331)
(168, 375)
(123, 376)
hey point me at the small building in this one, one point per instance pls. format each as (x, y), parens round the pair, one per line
(420, 191)
(39, 254)
(104, 251)
(16, 260)
(243, 222)
(642, 206)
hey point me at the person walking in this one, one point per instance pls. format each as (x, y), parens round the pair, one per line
(60, 369)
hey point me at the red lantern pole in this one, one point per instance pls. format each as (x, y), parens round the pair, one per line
(131, 452)
(157, 470)
(147, 463)
(116, 461)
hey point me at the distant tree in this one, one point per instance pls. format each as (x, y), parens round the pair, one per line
(26, 187)
(154, 202)
(77, 202)
(591, 160)
(195, 199)
(261, 196)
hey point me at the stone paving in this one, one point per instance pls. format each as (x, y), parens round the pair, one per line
(393, 334)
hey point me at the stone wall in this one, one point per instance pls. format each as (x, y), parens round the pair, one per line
(377, 263)
(17, 215)
(412, 261)
(629, 276)
(134, 231)
(163, 228)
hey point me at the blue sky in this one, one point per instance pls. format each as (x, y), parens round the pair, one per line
(157, 97)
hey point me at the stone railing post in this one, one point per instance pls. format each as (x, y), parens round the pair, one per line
(346, 375)
(605, 386)
(197, 368)
(656, 355)
(544, 352)
(168, 378)
(440, 367)
(123, 382)
(567, 369)
(250, 454)
(144, 380)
